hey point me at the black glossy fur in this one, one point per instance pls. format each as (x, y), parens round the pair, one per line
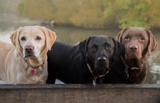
(68, 62)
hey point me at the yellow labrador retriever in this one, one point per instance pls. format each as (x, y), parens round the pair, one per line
(25, 62)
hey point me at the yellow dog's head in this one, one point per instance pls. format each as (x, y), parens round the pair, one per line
(32, 41)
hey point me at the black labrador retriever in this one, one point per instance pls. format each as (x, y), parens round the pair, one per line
(86, 62)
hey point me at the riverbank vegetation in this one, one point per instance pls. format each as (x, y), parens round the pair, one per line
(94, 13)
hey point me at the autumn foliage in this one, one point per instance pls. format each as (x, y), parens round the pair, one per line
(94, 13)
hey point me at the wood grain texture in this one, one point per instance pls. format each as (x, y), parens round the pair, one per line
(76, 93)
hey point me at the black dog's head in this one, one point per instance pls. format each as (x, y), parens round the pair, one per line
(101, 51)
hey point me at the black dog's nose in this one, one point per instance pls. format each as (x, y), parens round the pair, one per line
(102, 59)
(29, 49)
(133, 47)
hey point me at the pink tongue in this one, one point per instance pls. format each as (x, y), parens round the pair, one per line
(32, 71)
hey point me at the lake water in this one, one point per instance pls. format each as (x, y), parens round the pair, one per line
(73, 35)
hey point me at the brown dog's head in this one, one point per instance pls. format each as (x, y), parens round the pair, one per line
(137, 41)
(33, 41)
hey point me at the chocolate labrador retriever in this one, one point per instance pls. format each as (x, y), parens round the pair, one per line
(89, 60)
(132, 67)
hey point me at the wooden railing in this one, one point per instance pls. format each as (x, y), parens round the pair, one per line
(79, 93)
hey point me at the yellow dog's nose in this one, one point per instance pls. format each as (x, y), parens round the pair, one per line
(29, 49)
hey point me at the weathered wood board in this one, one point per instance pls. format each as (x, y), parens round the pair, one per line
(78, 93)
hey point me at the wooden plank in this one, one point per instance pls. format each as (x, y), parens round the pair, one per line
(79, 86)
(77, 93)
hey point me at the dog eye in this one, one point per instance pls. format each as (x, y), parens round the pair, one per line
(142, 38)
(108, 46)
(126, 38)
(23, 38)
(94, 47)
(38, 38)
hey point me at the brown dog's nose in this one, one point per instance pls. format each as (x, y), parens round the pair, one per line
(133, 47)
(29, 49)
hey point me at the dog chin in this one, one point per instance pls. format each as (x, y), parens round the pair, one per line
(29, 56)
(102, 71)
(134, 64)
(132, 56)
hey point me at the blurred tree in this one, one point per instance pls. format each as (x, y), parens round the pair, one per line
(94, 13)
(153, 14)
(90, 14)
(127, 12)
(39, 9)
(65, 9)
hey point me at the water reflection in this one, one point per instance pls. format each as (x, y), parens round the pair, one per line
(73, 35)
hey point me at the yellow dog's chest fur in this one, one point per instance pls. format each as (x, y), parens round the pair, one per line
(39, 77)
(19, 72)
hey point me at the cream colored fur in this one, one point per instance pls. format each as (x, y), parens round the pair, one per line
(13, 68)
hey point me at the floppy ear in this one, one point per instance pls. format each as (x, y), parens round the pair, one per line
(14, 38)
(119, 49)
(152, 45)
(83, 46)
(119, 36)
(50, 37)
